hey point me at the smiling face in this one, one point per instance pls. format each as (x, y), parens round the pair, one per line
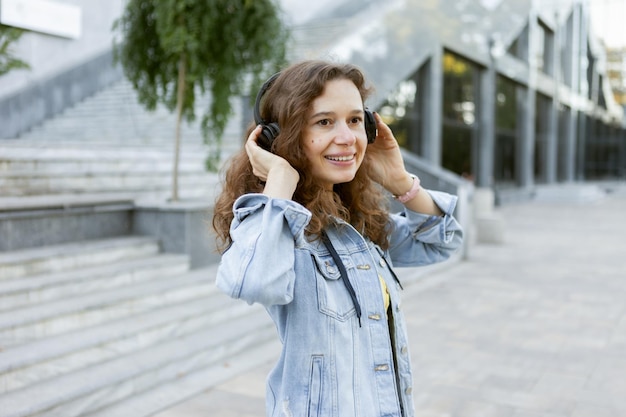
(334, 136)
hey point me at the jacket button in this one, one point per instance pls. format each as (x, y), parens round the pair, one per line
(404, 350)
(383, 263)
(408, 391)
(381, 368)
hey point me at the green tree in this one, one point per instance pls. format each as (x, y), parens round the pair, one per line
(172, 49)
(8, 62)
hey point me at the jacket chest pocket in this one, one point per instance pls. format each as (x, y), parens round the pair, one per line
(333, 297)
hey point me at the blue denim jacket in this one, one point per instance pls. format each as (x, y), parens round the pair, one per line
(331, 365)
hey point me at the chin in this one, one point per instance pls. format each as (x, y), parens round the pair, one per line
(344, 179)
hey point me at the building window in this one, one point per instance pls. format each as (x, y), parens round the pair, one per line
(583, 132)
(542, 112)
(603, 153)
(601, 97)
(401, 111)
(544, 52)
(539, 41)
(505, 153)
(566, 51)
(459, 114)
(519, 47)
(589, 83)
(563, 145)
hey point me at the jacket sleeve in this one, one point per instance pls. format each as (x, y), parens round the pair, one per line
(259, 264)
(422, 239)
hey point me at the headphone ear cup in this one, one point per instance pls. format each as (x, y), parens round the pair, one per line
(370, 126)
(269, 132)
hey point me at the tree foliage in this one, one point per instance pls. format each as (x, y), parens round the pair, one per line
(8, 62)
(172, 49)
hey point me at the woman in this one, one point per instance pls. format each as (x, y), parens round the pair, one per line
(305, 231)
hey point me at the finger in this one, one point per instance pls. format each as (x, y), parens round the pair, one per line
(251, 143)
(382, 127)
(379, 120)
(254, 135)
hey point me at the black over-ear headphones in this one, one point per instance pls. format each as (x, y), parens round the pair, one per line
(269, 130)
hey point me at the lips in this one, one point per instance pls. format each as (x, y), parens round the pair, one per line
(340, 158)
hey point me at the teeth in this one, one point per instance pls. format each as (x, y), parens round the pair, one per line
(340, 158)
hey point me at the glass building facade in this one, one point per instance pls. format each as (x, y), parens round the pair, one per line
(507, 94)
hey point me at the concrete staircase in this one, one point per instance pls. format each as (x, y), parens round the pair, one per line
(97, 319)
(110, 144)
(90, 325)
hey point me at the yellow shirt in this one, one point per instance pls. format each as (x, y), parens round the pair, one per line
(386, 299)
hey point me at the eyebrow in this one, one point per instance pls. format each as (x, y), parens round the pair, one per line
(330, 113)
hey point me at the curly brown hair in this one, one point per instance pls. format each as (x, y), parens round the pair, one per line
(288, 101)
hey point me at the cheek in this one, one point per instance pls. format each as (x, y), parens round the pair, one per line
(362, 144)
(313, 147)
(309, 150)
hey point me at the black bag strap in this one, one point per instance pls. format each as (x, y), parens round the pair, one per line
(395, 277)
(344, 274)
(393, 273)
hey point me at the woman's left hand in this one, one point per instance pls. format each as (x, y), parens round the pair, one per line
(386, 163)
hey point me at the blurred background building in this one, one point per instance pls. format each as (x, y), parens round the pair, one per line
(507, 94)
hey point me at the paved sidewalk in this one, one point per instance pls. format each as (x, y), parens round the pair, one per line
(535, 327)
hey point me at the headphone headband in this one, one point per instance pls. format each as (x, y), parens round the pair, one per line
(257, 105)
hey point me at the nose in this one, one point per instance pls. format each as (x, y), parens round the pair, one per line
(345, 135)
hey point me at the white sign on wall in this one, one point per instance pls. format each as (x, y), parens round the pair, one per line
(44, 16)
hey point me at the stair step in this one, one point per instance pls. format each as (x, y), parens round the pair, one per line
(26, 324)
(55, 356)
(165, 396)
(63, 201)
(80, 178)
(30, 150)
(103, 384)
(63, 167)
(569, 193)
(35, 261)
(27, 158)
(43, 288)
(196, 184)
(25, 147)
(102, 159)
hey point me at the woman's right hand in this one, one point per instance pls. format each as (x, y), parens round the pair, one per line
(279, 176)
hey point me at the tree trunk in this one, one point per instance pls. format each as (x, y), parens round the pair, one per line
(180, 95)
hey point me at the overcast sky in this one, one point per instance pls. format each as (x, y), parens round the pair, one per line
(608, 21)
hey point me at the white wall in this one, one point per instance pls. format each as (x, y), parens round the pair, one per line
(49, 55)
